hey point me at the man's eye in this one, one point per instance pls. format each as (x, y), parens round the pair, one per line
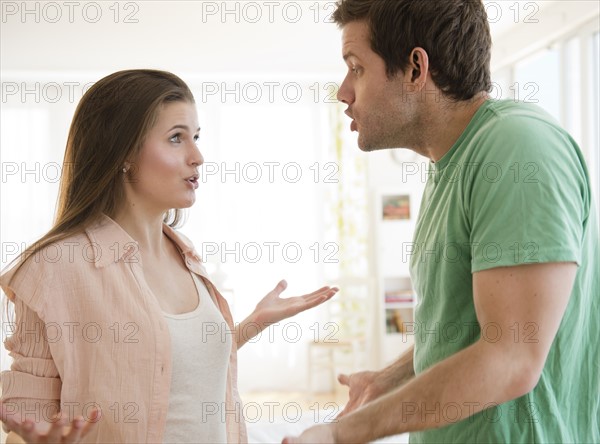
(196, 138)
(176, 138)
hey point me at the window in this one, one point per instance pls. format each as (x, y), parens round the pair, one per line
(594, 118)
(572, 114)
(563, 79)
(537, 80)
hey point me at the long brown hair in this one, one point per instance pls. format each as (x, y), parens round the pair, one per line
(107, 131)
(455, 34)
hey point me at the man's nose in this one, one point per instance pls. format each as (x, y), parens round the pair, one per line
(345, 93)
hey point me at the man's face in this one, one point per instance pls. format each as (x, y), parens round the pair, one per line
(383, 114)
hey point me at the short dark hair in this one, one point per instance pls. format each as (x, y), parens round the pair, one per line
(455, 34)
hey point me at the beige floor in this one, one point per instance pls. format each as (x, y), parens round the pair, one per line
(280, 404)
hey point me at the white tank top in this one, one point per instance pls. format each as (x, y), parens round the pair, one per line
(201, 345)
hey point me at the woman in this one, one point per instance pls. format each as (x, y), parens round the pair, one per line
(119, 335)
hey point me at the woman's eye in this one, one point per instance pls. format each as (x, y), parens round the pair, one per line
(196, 138)
(355, 69)
(176, 138)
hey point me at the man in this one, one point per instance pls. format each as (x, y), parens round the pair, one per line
(506, 244)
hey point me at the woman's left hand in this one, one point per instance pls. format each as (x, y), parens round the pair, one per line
(272, 308)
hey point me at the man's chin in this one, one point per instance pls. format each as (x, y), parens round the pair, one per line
(364, 145)
(368, 146)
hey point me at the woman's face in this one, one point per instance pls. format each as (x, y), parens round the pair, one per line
(165, 173)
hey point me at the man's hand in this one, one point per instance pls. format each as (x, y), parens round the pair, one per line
(321, 434)
(368, 386)
(364, 388)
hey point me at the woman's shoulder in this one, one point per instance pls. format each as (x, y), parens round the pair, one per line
(43, 268)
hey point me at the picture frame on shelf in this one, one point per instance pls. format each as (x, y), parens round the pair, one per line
(394, 220)
(395, 207)
(399, 320)
(403, 296)
(398, 302)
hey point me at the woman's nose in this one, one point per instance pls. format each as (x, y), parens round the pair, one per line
(197, 157)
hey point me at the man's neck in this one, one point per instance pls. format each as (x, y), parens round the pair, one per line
(447, 124)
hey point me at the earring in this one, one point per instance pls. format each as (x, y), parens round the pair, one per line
(124, 169)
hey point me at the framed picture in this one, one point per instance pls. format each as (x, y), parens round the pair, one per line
(395, 207)
(399, 320)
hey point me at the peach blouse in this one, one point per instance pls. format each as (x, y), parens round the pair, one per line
(88, 332)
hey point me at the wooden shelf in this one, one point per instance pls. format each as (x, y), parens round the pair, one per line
(390, 305)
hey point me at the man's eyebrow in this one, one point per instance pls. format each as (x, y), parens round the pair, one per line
(349, 54)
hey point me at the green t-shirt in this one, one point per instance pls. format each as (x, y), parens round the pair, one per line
(514, 189)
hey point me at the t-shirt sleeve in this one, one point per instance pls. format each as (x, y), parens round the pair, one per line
(528, 197)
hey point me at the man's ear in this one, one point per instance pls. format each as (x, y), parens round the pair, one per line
(419, 65)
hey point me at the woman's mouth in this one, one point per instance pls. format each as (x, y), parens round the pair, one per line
(193, 181)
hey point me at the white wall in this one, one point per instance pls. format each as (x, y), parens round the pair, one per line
(205, 44)
(186, 37)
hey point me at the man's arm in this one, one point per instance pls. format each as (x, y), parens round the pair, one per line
(529, 298)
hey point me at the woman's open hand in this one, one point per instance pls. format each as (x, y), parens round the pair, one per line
(57, 430)
(272, 308)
